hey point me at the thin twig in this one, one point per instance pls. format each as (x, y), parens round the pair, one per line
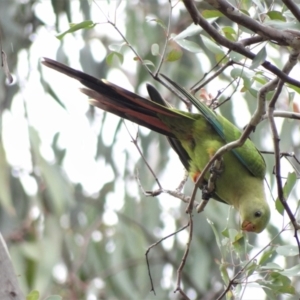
(195, 88)
(134, 141)
(155, 244)
(184, 258)
(233, 280)
(166, 41)
(283, 114)
(235, 46)
(293, 58)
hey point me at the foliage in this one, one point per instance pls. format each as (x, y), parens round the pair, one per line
(75, 219)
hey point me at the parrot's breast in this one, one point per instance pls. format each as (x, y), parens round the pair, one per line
(201, 142)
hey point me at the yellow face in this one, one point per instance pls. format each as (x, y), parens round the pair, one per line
(255, 219)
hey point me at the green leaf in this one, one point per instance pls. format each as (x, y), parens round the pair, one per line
(251, 268)
(33, 295)
(259, 58)
(189, 31)
(111, 56)
(279, 207)
(236, 56)
(116, 47)
(245, 12)
(215, 233)
(254, 91)
(225, 232)
(232, 234)
(283, 282)
(276, 15)
(173, 55)
(266, 255)
(246, 75)
(289, 185)
(207, 14)
(212, 45)
(278, 284)
(239, 244)
(75, 27)
(260, 79)
(293, 271)
(295, 88)
(272, 266)
(270, 294)
(157, 21)
(228, 29)
(224, 273)
(155, 49)
(229, 36)
(31, 250)
(148, 62)
(190, 46)
(229, 32)
(287, 250)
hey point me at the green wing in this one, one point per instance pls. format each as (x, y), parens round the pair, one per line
(247, 154)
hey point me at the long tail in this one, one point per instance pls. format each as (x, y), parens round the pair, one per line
(119, 101)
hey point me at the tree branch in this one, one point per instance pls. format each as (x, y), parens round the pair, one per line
(235, 46)
(293, 8)
(289, 65)
(281, 37)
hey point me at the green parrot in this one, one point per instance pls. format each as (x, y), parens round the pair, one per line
(195, 137)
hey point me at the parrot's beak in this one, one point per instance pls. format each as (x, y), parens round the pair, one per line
(248, 226)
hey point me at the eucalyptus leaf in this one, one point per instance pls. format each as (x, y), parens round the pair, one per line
(189, 31)
(189, 45)
(110, 57)
(173, 55)
(155, 49)
(293, 271)
(288, 187)
(212, 45)
(276, 15)
(287, 250)
(77, 26)
(33, 295)
(207, 14)
(259, 58)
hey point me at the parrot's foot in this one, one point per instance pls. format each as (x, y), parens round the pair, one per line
(215, 172)
(206, 193)
(217, 168)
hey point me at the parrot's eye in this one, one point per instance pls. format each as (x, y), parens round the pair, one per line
(257, 214)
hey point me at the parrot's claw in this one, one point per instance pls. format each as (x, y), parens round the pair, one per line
(217, 168)
(215, 171)
(206, 194)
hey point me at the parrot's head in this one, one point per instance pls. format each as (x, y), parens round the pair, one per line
(255, 215)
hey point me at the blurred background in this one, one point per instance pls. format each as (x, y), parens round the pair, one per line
(76, 222)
